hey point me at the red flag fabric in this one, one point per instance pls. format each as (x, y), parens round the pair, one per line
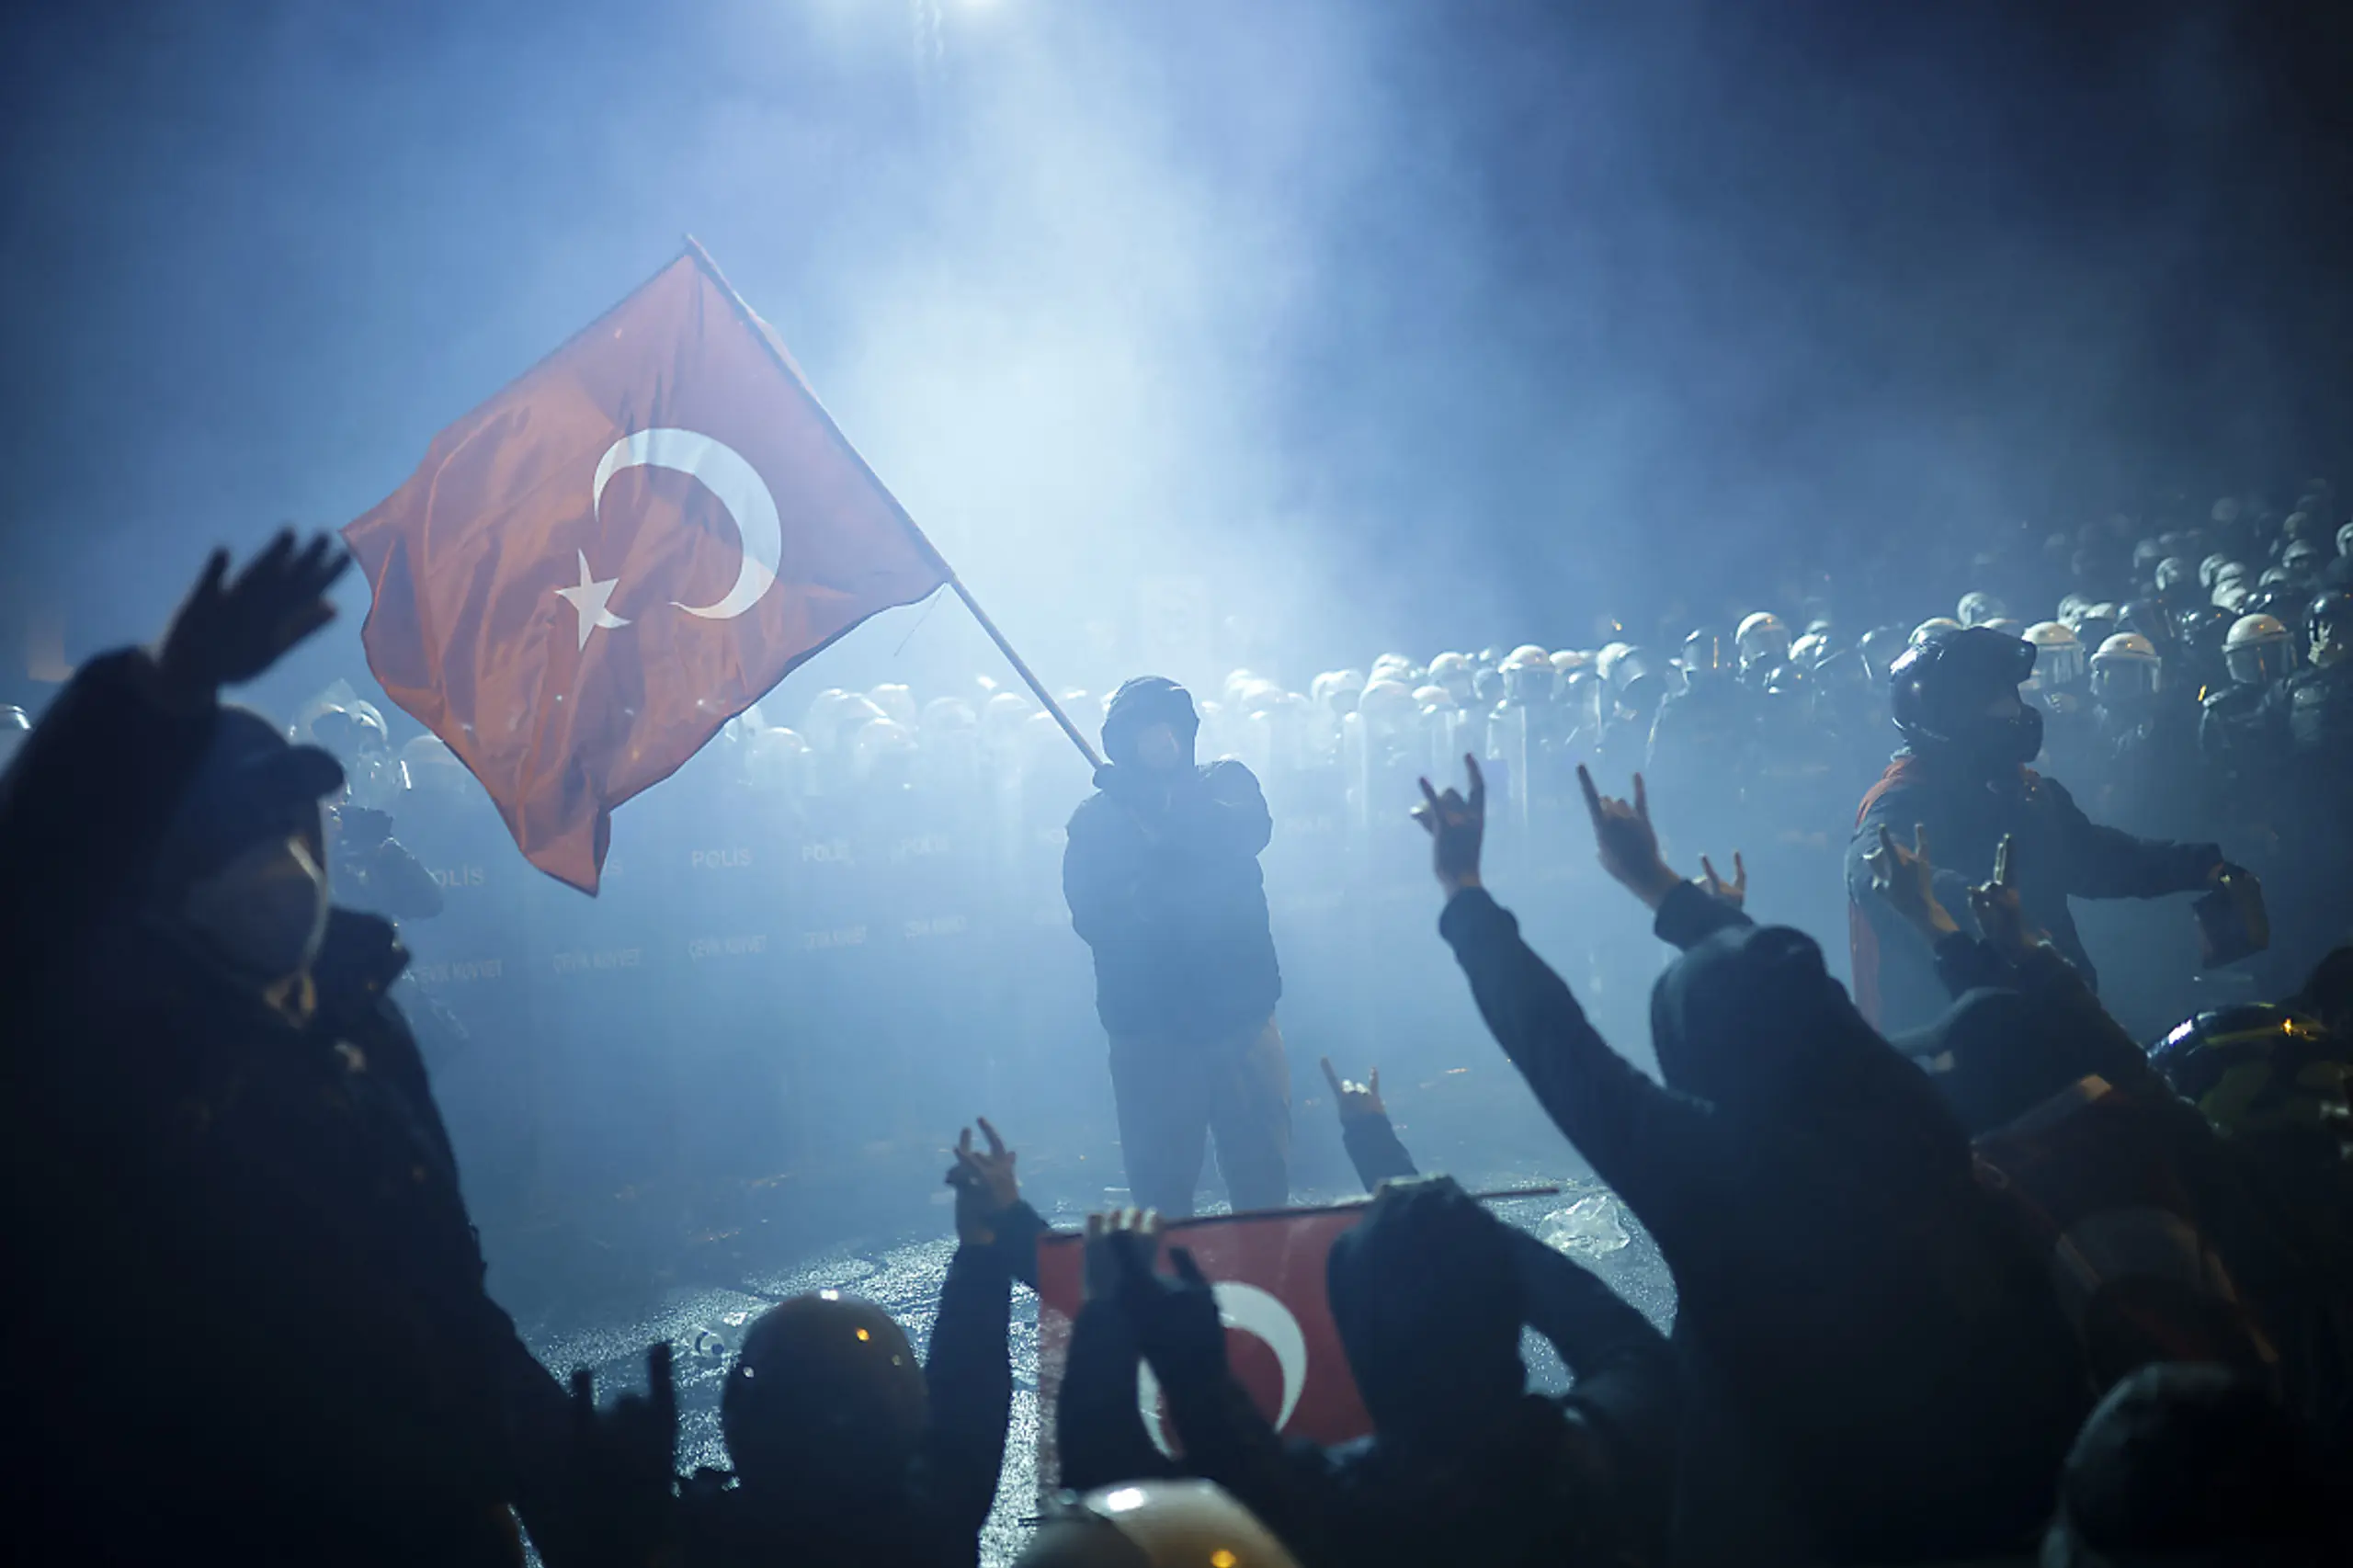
(593, 571)
(1267, 1273)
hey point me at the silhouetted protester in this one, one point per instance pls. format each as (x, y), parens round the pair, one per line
(1429, 1294)
(239, 1244)
(1162, 878)
(2191, 1466)
(2162, 1246)
(1877, 1368)
(847, 1449)
(1962, 778)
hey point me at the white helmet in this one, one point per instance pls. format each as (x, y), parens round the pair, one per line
(897, 703)
(1453, 672)
(2345, 539)
(2127, 665)
(1566, 662)
(1387, 703)
(1337, 689)
(2058, 656)
(1934, 627)
(1977, 608)
(1762, 640)
(1155, 1524)
(2259, 650)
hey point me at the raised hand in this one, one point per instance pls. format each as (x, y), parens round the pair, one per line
(1995, 905)
(1117, 1244)
(1176, 1321)
(1355, 1099)
(1456, 827)
(1627, 844)
(1906, 880)
(232, 629)
(1735, 892)
(623, 1474)
(984, 1186)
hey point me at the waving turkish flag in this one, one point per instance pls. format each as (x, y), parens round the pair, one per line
(594, 571)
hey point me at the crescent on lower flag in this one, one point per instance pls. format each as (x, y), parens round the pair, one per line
(723, 471)
(1254, 1312)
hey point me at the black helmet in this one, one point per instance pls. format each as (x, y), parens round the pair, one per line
(2202, 628)
(1940, 688)
(1880, 647)
(2332, 609)
(2257, 1067)
(1708, 649)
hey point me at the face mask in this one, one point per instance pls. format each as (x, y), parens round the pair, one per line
(264, 912)
(2008, 740)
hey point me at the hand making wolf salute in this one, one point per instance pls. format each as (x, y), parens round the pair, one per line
(1162, 881)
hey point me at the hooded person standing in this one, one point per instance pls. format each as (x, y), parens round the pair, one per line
(1162, 877)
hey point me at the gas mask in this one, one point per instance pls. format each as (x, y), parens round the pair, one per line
(265, 912)
(2007, 740)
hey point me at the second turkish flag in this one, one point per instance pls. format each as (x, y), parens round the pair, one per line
(1267, 1271)
(597, 569)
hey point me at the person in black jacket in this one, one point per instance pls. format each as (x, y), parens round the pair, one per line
(1429, 1294)
(1162, 877)
(1962, 781)
(846, 1450)
(1876, 1369)
(238, 1240)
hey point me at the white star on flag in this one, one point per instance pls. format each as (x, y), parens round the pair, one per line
(587, 602)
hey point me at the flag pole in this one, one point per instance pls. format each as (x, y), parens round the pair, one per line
(766, 334)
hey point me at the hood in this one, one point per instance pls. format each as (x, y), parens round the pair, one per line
(1142, 703)
(1993, 1055)
(1752, 1022)
(1426, 1295)
(252, 785)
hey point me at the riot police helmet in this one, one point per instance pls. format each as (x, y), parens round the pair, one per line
(1879, 649)
(2259, 650)
(1706, 651)
(1453, 672)
(2058, 656)
(1935, 626)
(1979, 607)
(2125, 668)
(1763, 641)
(2328, 626)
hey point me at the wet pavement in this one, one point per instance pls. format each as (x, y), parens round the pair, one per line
(902, 1271)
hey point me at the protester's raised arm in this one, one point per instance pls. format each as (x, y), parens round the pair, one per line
(86, 804)
(969, 1371)
(1636, 1134)
(1366, 1131)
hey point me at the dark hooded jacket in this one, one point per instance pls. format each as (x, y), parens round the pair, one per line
(1855, 1314)
(1163, 883)
(2060, 854)
(1464, 1465)
(239, 1241)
